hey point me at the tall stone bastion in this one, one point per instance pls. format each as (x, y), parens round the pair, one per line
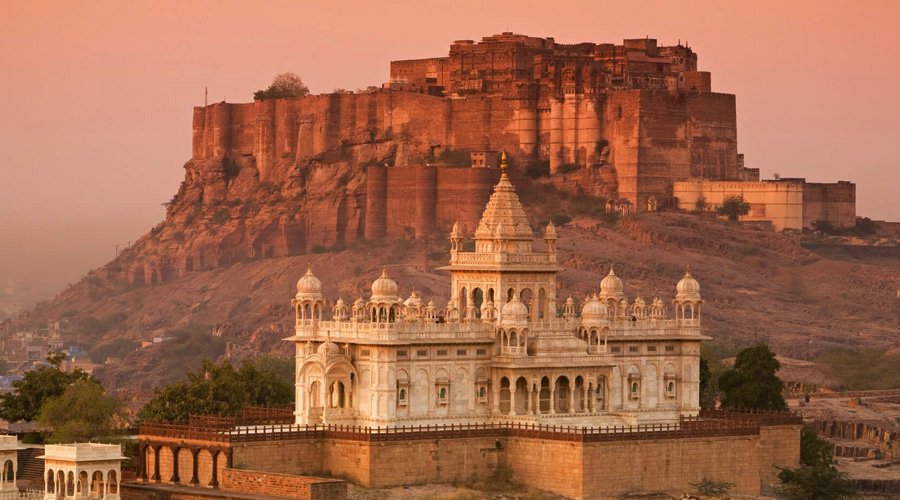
(279, 177)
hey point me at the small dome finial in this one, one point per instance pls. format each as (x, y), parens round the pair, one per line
(503, 164)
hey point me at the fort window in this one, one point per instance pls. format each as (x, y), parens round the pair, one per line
(481, 352)
(633, 348)
(401, 397)
(635, 390)
(670, 348)
(364, 353)
(442, 352)
(481, 394)
(422, 353)
(461, 352)
(670, 389)
(651, 348)
(616, 349)
(402, 354)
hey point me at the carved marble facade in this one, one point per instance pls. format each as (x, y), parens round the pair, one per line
(503, 348)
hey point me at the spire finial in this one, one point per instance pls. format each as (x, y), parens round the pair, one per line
(503, 164)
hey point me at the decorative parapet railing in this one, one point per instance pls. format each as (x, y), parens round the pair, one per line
(419, 330)
(761, 417)
(464, 258)
(249, 415)
(479, 330)
(708, 424)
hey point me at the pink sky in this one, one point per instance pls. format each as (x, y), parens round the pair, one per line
(97, 96)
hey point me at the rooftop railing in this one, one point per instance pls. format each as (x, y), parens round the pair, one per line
(707, 424)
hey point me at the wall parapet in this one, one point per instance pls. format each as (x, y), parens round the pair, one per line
(708, 423)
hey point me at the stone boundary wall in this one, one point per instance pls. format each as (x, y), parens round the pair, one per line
(734, 446)
(283, 485)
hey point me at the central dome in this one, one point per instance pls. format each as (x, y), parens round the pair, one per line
(384, 287)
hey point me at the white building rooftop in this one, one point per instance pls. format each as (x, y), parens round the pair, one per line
(82, 452)
(8, 443)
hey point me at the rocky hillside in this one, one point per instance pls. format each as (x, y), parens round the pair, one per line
(758, 286)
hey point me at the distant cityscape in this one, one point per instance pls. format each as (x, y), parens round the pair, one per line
(20, 293)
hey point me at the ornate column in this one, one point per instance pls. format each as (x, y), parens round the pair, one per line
(530, 390)
(214, 481)
(175, 479)
(142, 464)
(156, 463)
(585, 402)
(589, 404)
(571, 395)
(495, 407)
(512, 398)
(195, 452)
(552, 398)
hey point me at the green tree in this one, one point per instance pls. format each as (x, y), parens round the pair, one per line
(36, 388)
(752, 383)
(220, 389)
(817, 477)
(733, 206)
(283, 86)
(81, 413)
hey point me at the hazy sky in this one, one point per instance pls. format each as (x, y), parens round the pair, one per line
(95, 122)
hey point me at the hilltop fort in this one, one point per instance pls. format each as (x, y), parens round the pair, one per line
(635, 125)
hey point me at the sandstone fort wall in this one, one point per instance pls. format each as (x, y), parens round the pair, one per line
(654, 136)
(834, 203)
(793, 203)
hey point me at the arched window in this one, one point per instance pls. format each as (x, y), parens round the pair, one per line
(634, 389)
(402, 394)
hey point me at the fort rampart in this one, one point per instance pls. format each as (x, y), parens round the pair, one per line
(654, 137)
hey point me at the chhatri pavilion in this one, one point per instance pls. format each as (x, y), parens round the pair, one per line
(504, 348)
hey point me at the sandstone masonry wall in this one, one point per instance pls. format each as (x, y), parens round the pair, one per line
(779, 445)
(670, 465)
(301, 457)
(834, 203)
(283, 485)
